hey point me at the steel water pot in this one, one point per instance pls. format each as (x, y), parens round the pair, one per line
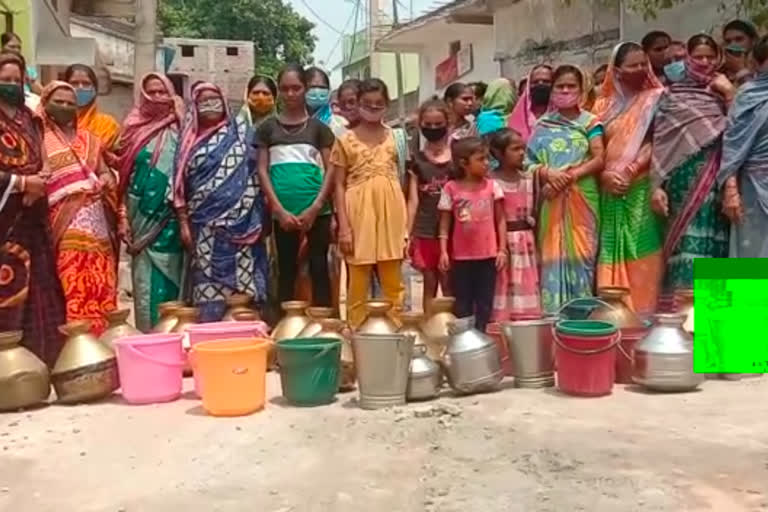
(426, 376)
(531, 348)
(472, 362)
(663, 360)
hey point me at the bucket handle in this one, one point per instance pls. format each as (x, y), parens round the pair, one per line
(161, 362)
(572, 301)
(589, 352)
(318, 355)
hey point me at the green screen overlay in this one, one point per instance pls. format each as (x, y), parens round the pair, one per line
(731, 315)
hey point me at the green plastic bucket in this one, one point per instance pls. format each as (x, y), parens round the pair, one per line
(309, 370)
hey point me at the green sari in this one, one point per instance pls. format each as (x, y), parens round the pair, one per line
(158, 263)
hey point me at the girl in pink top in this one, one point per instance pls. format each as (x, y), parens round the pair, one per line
(474, 204)
(517, 286)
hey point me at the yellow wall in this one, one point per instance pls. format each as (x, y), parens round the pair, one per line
(22, 24)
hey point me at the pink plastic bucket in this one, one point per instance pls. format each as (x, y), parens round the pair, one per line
(150, 367)
(222, 331)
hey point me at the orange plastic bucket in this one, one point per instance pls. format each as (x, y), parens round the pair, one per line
(234, 375)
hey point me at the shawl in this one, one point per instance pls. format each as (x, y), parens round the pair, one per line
(145, 120)
(616, 102)
(191, 135)
(690, 117)
(498, 101)
(522, 119)
(324, 114)
(104, 126)
(748, 116)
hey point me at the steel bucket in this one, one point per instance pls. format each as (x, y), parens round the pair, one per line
(531, 348)
(383, 366)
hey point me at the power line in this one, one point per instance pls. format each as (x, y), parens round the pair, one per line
(344, 30)
(354, 37)
(320, 19)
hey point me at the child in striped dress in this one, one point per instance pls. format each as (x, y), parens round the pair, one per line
(517, 285)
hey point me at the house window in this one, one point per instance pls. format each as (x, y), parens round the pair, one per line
(455, 47)
(187, 50)
(232, 51)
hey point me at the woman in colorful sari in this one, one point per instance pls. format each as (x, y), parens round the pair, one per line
(31, 298)
(534, 101)
(89, 117)
(498, 102)
(687, 142)
(82, 202)
(742, 177)
(149, 225)
(218, 195)
(566, 153)
(630, 233)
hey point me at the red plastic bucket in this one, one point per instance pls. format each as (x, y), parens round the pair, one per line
(494, 331)
(585, 352)
(625, 354)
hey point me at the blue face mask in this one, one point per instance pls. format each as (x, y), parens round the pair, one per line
(85, 96)
(318, 97)
(675, 71)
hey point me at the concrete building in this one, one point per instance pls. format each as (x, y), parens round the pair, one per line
(472, 40)
(228, 64)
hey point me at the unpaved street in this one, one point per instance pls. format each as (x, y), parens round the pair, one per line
(516, 450)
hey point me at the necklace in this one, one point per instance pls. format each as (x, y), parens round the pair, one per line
(294, 130)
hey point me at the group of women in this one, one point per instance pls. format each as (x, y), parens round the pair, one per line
(620, 185)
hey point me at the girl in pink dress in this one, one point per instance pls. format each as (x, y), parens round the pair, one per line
(517, 284)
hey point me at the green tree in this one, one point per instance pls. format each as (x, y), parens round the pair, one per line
(278, 32)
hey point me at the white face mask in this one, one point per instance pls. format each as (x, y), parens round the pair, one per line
(372, 116)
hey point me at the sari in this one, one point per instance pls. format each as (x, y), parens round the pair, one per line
(522, 119)
(102, 125)
(31, 298)
(687, 141)
(745, 155)
(83, 217)
(498, 102)
(630, 233)
(567, 224)
(226, 207)
(145, 157)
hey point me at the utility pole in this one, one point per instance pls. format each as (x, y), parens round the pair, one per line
(145, 36)
(398, 70)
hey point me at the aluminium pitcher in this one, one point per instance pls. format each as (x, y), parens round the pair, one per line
(383, 362)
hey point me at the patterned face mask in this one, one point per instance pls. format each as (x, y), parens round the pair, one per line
(211, 106)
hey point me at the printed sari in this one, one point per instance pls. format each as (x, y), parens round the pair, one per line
(630, 233)
(83, 217)
(567, 224)
(102, 125)
(146, 153)
(31, 298)
(226, 207)
(745, 155)
(687, 141)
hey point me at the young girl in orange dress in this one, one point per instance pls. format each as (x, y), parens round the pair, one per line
(474, 204)
(517, 285)
(429, 171)
(370, 204)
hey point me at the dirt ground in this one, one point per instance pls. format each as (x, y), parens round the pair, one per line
(514, 450)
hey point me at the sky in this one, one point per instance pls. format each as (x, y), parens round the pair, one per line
(338, 14)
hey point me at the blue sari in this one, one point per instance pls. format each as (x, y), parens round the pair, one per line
(227, 213)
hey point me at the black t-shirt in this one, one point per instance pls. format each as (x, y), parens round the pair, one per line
(272, 132)
(431, 177)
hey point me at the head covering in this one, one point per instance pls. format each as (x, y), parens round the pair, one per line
(192, 134)
(499, 99)
(23, 155)
(522, 119)
(145, 120)
(45, 97)
(697, 74)
(245, 111)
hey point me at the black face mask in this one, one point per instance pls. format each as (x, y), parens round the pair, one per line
(540, 94)
(434, 134)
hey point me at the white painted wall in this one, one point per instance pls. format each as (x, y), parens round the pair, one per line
(117, 50)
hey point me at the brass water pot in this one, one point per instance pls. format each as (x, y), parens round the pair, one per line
(615, 310)
(684, 306)
(245, 316)
(412, 321)
(316, 316)
(117, 327)
(378, 320)
(239, 303)
(24, 378)
(86, 369)
(435, 326)
(168, 316)
(337, 329)
(294, 321)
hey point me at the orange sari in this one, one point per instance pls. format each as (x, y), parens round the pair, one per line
(101, 125)
(82, 213)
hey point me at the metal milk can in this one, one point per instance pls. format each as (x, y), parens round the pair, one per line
(472, 360)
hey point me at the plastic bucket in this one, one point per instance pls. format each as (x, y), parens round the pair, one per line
(309, 370)
(235, 375)
(625, 354)
(222, 331)
(150, 367)
(494, 332)
(585, 351)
